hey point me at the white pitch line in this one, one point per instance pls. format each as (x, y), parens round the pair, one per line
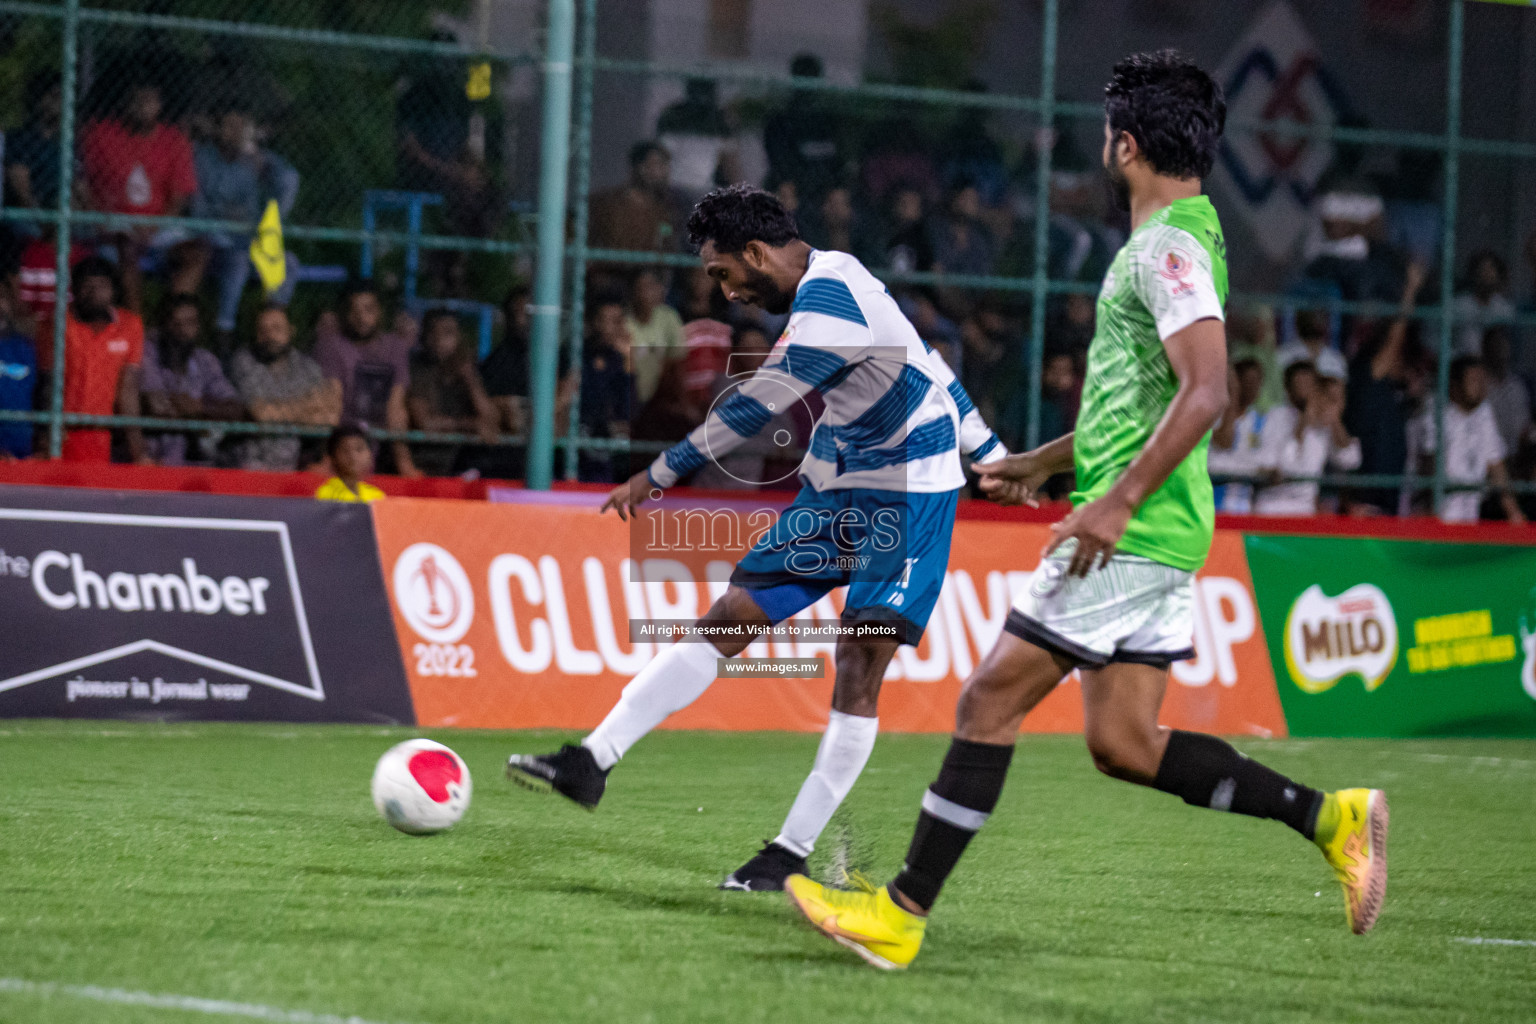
(1478, 940)
(192, 1004)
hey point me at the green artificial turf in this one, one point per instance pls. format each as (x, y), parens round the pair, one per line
(245, 863)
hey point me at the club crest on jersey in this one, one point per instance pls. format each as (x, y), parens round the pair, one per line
(1175, 264)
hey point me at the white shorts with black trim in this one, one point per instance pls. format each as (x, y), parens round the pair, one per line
(1131, 610)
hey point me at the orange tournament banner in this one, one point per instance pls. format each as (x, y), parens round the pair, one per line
(517, 616)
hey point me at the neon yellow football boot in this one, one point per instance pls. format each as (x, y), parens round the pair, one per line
(1357, 852)
(866, 920)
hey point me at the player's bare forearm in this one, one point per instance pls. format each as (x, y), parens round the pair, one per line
(1198, 354)
(1014, 479)
(1056, 455)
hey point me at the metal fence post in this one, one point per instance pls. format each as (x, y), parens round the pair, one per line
(581, 188)
(1448, 240)
(553, 156)
(71, 56)
(1042, 221)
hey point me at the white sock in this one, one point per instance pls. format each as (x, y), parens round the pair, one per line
(675, 678)
(844, 749)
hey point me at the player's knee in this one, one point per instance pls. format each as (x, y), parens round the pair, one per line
(860, 671)
(1120, 753)
(736, 607)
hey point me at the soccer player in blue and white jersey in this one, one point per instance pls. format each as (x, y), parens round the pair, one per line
(875, 513)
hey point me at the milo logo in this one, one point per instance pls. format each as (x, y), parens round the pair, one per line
(1328, 638)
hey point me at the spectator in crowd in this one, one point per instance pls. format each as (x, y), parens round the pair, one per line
(607, 385)
(1069, 323)
(1251, 335)
(1485, 297)
(280, 384)
(969, 153)
(1377, 404)
(1302, 438)
(1474, 453)
(643, 214)
(1062, 392)
(700, 298)
(990, 365)
(1350, 251)
(897, 157)
(37, 291)
(908, 245)
(835, 224)
(788, 194)
(103, 350)
(446, 394)
(937, 330)
(696, 132)
(235, 179)
(135, 163)
(351, 459)
(1235, 441)
(372, 366)
(32, 151)
(182, 380)
(746, 466)
(671, 411)
(1525, 352)
(804, 139)
(962, 244)
(18, 382)
(439, 150)
(506, 370)
(655, 331)
(1507, 395)
(1311, 345)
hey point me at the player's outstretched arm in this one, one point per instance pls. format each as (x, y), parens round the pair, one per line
(1015, 479)
(1198, 355)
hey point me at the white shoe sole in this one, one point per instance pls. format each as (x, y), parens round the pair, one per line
(870, 956)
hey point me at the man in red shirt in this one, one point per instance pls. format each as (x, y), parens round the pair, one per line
(103, 347)
(137, 164)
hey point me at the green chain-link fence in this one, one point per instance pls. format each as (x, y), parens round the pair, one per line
(357, 107)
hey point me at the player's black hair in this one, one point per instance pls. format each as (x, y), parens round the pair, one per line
(1171, 107)
(640, 150)
(343, 431)
(609, 296)
(92, 266)
(805, 65)
(1298, 367)
(39, 85)
(1459, 367)
(430, 318)
(1487, 256)
(174, 302)
(357, 286)
(731, 217)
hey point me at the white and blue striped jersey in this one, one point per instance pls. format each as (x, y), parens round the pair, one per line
(895, 419)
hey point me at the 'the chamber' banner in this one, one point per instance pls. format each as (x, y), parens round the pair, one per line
(193, 607)
(518, 616)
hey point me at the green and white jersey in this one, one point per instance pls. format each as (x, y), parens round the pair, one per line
(1171, 272)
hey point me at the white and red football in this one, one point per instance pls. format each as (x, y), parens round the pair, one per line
(421, 787)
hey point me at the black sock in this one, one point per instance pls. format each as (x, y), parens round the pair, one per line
(955, 806)
(1208, 772)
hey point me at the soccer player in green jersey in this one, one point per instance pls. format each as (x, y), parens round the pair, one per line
(1113, 594)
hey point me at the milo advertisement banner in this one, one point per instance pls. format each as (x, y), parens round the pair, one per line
(1399, 638)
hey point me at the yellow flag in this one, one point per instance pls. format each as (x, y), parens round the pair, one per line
(267, 249)
(479, 85)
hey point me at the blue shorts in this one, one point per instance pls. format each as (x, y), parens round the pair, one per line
(889, 548)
